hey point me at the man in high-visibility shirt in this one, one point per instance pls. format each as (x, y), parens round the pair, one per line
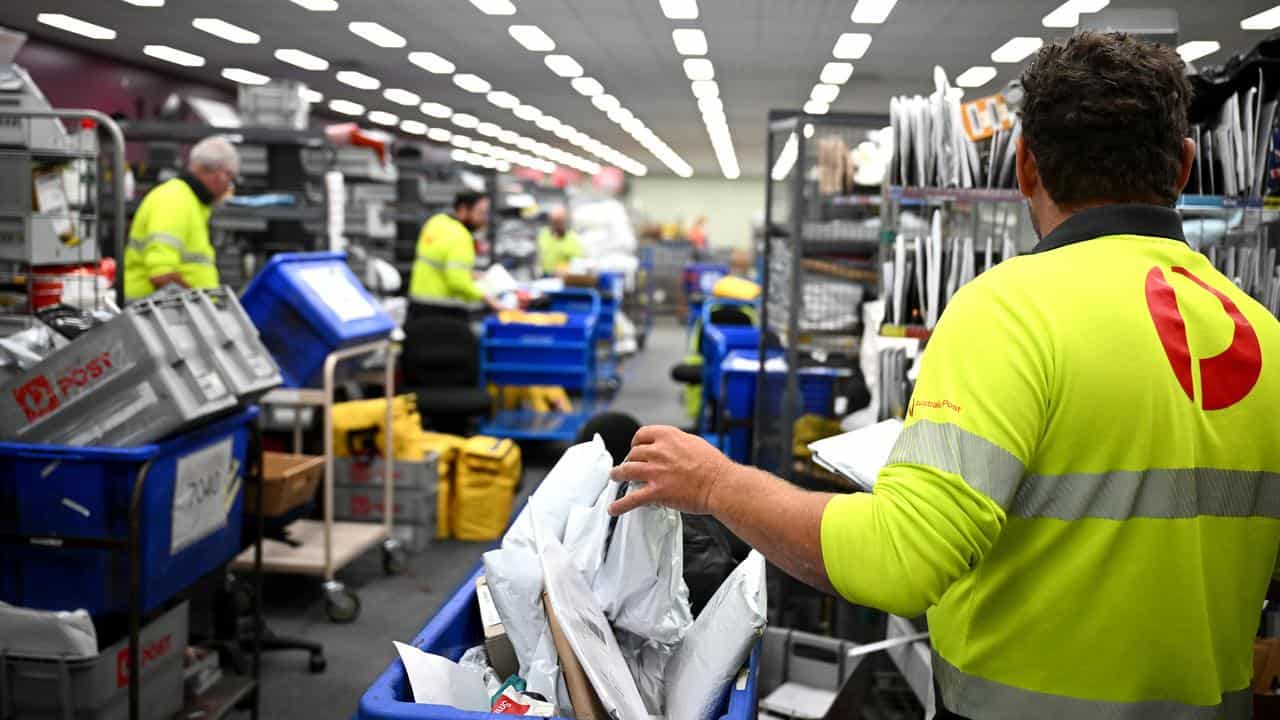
(558, 246)
(169, 238)
(444, 272)
(1086, 493)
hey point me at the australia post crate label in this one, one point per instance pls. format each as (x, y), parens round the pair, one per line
(199, 494)
(43, 394)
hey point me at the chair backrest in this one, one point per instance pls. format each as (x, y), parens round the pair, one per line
(440, 350)
(616, 429)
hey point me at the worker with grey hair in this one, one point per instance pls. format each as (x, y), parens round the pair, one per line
(558, 246)
(169, 239)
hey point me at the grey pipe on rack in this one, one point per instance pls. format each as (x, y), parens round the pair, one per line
(116, 250)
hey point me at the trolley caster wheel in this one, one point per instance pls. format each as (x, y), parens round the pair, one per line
(340, 604)
(317, 664)
(394, 557)
(241, 597)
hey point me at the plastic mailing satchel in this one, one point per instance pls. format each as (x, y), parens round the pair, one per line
(448, 448)
(717, 643)
(487, 473)
(354, 421)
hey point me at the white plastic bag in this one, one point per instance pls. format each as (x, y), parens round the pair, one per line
(647, 661)
(514, 571)
(718, 643)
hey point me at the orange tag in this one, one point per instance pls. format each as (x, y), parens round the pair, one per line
(983, 116)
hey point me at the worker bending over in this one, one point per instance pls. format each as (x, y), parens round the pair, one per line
(1086, 493)
(169, 238)
(444, 272)
(558, 246)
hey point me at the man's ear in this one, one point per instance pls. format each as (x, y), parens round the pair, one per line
(1028, 171)
(1188, 161)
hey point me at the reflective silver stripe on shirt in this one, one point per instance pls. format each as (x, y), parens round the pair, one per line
(141, 244)
(976, 697)
(444, 266)
(1157, 493)
(189, 258)
(984, 466)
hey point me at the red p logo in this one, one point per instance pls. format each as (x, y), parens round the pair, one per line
(1225, 378)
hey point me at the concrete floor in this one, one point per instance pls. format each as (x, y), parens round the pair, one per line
(396, 608)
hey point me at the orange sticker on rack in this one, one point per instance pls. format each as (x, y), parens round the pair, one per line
(982, 117)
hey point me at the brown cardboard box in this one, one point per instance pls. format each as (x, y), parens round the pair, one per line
(1266, 665)
(502, 654)
(586, 704)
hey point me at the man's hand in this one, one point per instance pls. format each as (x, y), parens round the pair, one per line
(493, 304)
(173, 278)
(678, 470)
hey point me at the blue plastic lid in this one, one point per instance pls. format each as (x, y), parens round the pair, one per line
(322, 288)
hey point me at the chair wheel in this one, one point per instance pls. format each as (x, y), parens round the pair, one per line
(340, 604)
(317, 664)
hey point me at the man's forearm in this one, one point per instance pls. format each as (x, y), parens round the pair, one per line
(173, 278)
(775, 517)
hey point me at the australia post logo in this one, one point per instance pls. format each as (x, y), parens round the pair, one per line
(37, 397)
(1225, 378)
(150, 653)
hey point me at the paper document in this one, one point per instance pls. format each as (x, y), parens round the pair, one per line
(436, 680)
(860, 454)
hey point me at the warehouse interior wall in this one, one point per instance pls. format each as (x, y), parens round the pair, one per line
(729, 205)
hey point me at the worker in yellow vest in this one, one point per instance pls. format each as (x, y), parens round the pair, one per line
(444, 271)
(169, 238)
(1085, 495)
(558, 246)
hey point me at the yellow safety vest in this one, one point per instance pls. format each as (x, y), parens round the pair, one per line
(170, 233)
(445, 262)
(1086, 492)
(555, 252)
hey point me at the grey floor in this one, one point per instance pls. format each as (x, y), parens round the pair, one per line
(395, 608)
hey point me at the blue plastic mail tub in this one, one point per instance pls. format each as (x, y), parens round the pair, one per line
(306, 305)
(457, 627)
(739, 370)
(57, 491)
(517, 354)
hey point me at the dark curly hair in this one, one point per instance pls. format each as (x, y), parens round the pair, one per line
(1105, 115)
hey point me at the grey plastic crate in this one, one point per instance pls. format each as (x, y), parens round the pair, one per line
(97, 688)
(352, 472)
(220, 325)
(127, 382)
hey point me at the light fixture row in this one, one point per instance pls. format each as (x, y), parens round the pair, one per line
(691, 43)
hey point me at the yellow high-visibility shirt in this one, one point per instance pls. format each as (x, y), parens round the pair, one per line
(170, 233)
(445, 262)
(555, 252)
(1086, 493)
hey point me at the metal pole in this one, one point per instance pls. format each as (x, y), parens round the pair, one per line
(135, 595)
(259, 480)
(388, 502)
(758, 412)
(791, 402)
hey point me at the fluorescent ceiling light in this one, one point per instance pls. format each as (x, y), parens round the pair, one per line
(226, 31)
(402, 97)
(872, 12)
(1067, 15)
(465, 120)
(527, 112)
(836, 73)
(495, 7)
(488, 129)
(461, 141)
(77, 26)
(526, 143)
(689, 41)
(173, 55)
(439, 135)
(680, 9)
(1265, 20)
(346, 107)
(432, 63)
(300, 59)
(563, 65)
(710, 104)
(587, 86)
(358, 80)
(377, 34)
(714, 117)
(312, 96)
(548, 123)
(633, 126)
(503, 99)
(472, 83)
(414, 127)
(1017, 49)
(825, 93)
(382, 117)
(460, 155)
(245, 77)
(1197, 49)
(565, 132)
(317, 5)
(705, 89)
(976, 76)
(815, 107)
(699, 69)
(606, 103)
(620, 115)
(436, 110)
(851, 46)
(146, 3)
(786, 158)
(481, 146)
(509, 136)
(532, 38)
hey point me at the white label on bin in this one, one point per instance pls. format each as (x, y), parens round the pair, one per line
(199, 490)
(338, 294)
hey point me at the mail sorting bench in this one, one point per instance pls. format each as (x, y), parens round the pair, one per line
(457, 627)
(527, 355)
